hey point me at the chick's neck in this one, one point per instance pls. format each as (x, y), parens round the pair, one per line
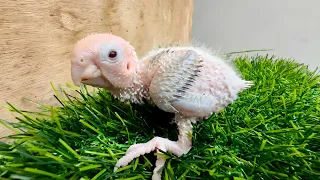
(137, 91)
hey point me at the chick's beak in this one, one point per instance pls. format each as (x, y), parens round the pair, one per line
(90, 75)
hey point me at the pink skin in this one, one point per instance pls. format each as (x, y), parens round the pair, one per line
(91, 67)
(214, 86)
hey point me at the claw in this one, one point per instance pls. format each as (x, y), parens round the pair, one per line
(115, 169)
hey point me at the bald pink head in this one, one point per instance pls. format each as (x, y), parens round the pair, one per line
(103, 60)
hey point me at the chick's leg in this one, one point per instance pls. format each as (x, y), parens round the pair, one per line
(182, 146)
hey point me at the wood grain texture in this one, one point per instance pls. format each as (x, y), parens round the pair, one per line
(36, 39)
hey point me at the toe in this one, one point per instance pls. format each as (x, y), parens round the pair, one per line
(134, 147)
(126, 159)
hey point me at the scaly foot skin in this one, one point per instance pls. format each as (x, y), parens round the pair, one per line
(156, 143)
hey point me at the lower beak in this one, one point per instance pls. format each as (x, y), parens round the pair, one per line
(90, 75)
(97, 82)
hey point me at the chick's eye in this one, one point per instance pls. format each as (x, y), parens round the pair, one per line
(112, 54)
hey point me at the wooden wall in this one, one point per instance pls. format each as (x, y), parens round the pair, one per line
(36, 38)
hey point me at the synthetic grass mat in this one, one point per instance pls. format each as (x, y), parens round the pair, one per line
(270, 132)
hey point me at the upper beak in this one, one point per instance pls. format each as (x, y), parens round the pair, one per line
(90, 75)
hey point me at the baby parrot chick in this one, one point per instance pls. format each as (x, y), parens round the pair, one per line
(188, 81)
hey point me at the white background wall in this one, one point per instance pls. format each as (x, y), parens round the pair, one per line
(290, 27)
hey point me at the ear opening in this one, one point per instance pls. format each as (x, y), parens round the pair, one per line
(128, 66)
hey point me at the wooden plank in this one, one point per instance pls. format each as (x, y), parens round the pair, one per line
(36, 39)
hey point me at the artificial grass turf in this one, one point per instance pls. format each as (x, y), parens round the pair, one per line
(270, 132)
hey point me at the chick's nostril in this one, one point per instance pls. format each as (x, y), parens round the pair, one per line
(84, 79)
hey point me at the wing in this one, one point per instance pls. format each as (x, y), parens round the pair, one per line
(192, 83)
(176, 73)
